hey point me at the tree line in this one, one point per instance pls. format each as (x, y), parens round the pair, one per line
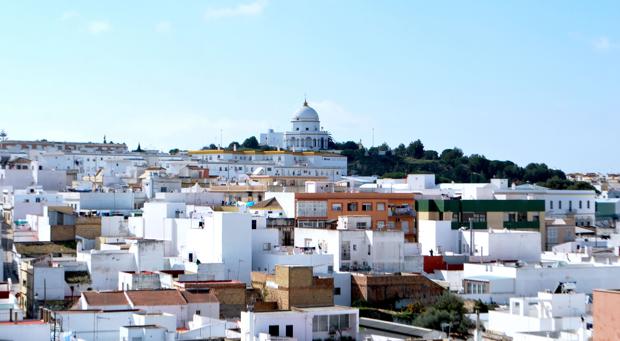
(449, 165)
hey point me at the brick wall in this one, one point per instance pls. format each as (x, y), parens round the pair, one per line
(388, 289)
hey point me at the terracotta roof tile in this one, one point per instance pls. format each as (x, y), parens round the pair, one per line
(155, 297)
(105, 298)
(199, 297)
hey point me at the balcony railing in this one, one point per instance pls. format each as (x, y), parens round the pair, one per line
(401, 211)
(521, 224)
(478, 225)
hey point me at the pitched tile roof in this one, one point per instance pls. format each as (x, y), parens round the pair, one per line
(199, 297)
(105, 298)
(155, 297)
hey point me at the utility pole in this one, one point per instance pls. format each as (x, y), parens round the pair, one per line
(373, 137)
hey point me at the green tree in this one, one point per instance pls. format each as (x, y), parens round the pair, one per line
(416, 149)
(349, 145)
(448, 308)
(431, 155)
(400, 151)
(174, 151)
(451, 155)
(250, 143)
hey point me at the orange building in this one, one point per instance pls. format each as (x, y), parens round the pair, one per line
(388, 211)
(606, 315)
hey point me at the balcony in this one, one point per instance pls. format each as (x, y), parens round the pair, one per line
(478, 225)
(403, 211)
(522, 224)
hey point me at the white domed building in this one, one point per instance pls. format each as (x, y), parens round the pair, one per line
(306, 133)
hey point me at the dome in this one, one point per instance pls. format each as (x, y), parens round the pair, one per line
(306, 113)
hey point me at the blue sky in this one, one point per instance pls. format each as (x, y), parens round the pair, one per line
(520, 80)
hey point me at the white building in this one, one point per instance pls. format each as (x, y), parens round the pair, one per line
(101, 201)
(546, 312)
(300, 323)
(267, 251)
(9, 307)
(21, 202)
(182, 304)
(104, 265)
(356, 249)
(36, 330)
(498, 282)
(438, 237)
(113, 325)
(237, 165)
(577, 204)
(306, 133)
(198, 234)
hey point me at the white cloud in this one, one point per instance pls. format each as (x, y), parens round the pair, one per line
(602, 43)
(99, 26)
(163, 27)
(68, 15)
(247, 9)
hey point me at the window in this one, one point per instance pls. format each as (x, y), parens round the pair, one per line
(253, 224)
(319, 324)
(550, 204)
(344, 321)
(266, 246)
(391, 225)
(366, 206)
(380, 224)
(336, 207)
(580, 204)
(404, 226)
(334, 322)
(352, 206)
(354, 247)
(369, 250)
(380, 206)
(475, 216)
(570, 205)
(311, 208)
(336, 291)
(345, 251)
(560, 204)
(552, 236)
(289, 330)
(274, 330)
(197, 312)
(339, 322)
(588, 204)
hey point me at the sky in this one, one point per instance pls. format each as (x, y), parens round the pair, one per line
(527, 81)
